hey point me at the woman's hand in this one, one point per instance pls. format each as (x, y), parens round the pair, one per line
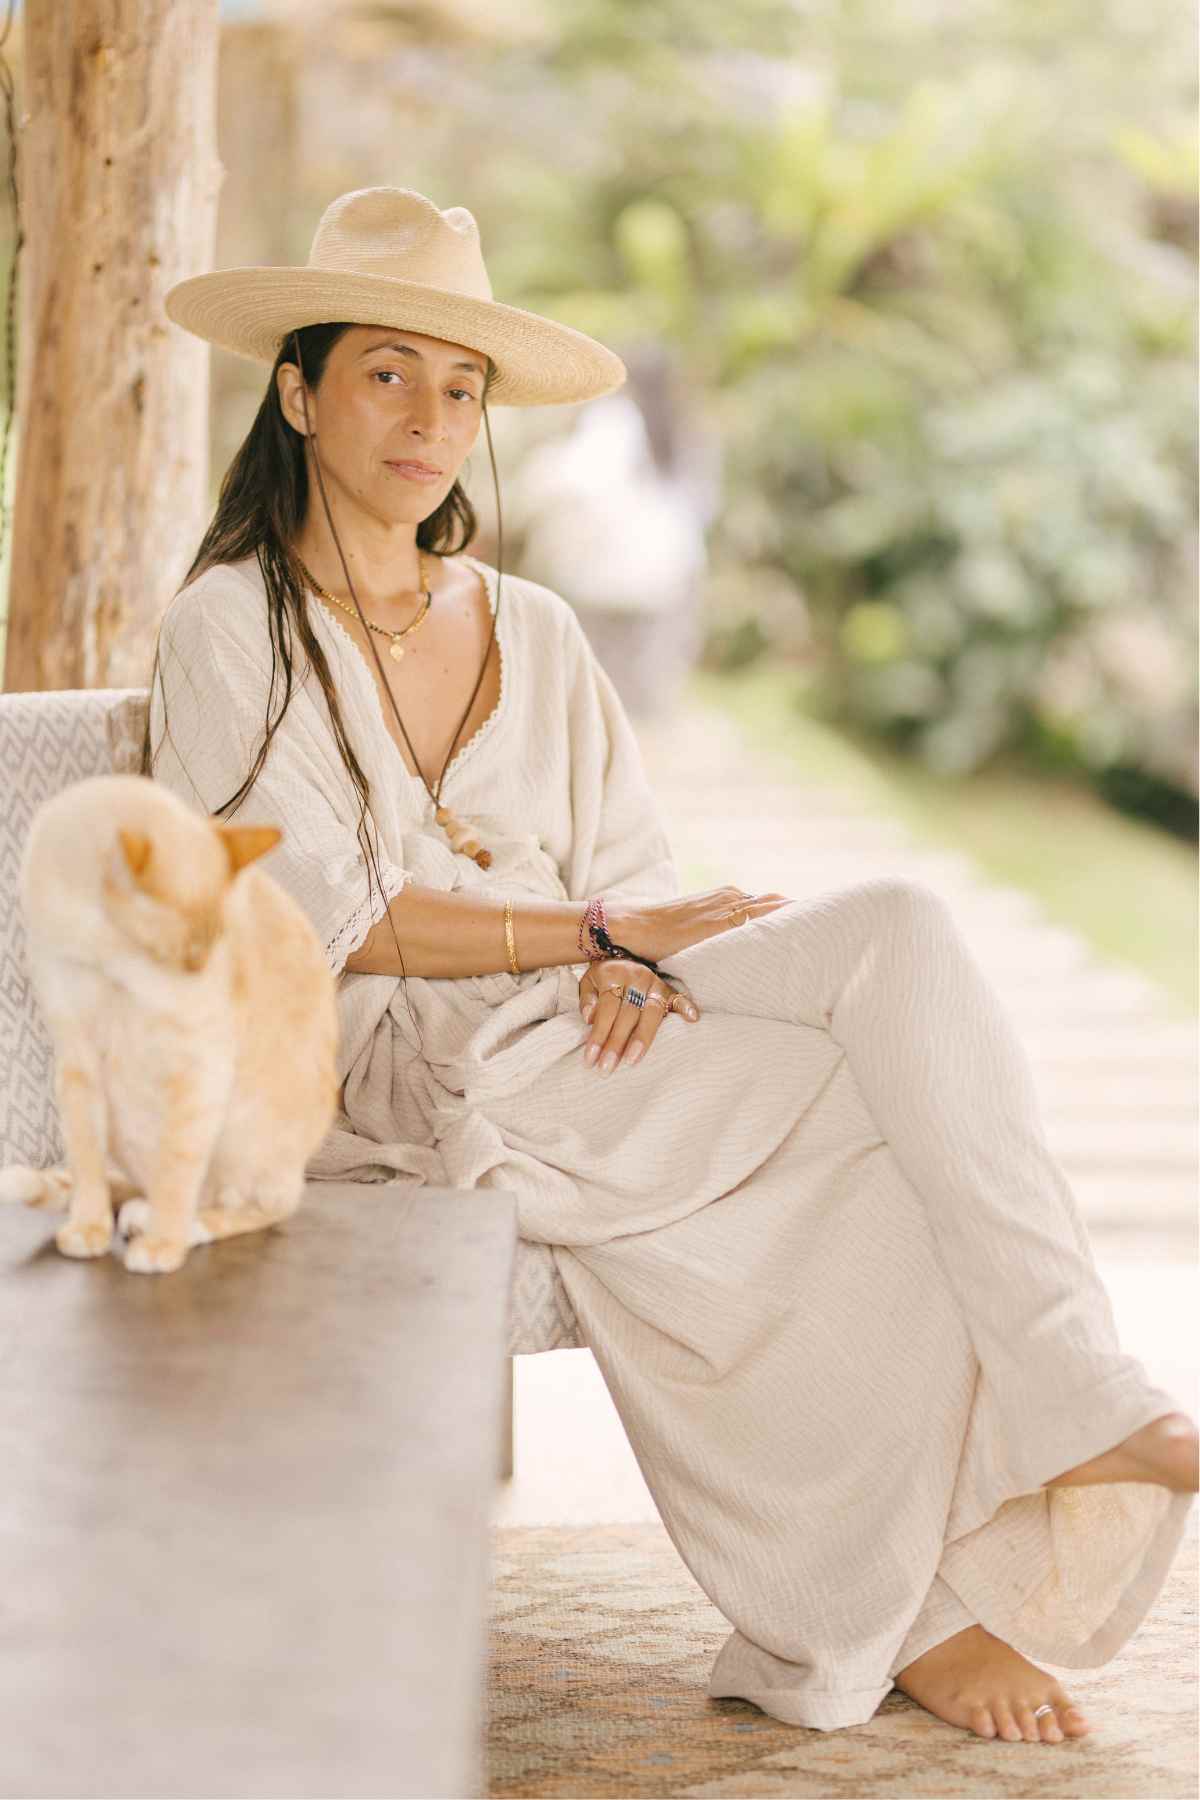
(622, 1031)
(659, 928)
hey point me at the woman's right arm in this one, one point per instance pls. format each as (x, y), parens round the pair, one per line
(458, 933)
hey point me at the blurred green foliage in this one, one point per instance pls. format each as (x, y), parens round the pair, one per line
(935, 267)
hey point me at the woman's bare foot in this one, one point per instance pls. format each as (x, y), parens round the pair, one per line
(979, 1682)
(1167, 1451)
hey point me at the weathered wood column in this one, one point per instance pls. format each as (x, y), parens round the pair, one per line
(118, 180)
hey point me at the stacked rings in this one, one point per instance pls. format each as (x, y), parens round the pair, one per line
(636, 997)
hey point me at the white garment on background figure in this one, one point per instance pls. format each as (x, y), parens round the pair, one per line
(837, 1286)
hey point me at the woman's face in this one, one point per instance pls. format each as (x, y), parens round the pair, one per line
(388, 395)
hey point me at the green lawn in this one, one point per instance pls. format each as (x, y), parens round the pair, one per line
(1127, 887)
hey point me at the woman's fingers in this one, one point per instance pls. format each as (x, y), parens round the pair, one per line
(612, 1023)
(605, 1005)
(622, 1031)
(631, 1027)
(756, 903)
(646, 1019)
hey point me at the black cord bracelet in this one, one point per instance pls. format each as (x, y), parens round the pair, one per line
(601, 938)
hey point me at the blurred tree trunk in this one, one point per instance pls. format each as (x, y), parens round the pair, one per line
(118, 178)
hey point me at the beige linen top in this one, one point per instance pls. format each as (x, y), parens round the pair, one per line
(552, 778)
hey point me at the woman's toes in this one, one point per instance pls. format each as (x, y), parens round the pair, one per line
(982, 1722)
(1073, 1722)
(1006, 1725)
(1051, 1730)
(1031, 1728)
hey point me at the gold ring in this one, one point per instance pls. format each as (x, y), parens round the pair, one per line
(658, 1000)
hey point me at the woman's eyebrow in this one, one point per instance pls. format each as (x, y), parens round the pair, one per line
(411, 350)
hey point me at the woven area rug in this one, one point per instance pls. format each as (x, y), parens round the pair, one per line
(601, 1642)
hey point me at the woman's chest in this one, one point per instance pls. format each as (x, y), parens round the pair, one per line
(431, 689)
(434, 703)
(508, 775)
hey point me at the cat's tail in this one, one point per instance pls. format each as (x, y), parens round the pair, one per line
(49, 1188)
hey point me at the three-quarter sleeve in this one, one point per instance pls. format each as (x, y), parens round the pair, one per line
(620, 844)
(208, 714)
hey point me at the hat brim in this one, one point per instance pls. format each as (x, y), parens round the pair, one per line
(539, 362)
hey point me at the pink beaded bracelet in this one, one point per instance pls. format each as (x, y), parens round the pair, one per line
(593, 915)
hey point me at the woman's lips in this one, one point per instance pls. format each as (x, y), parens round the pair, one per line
(414, 472)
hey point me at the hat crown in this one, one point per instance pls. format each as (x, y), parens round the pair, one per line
(396, 232)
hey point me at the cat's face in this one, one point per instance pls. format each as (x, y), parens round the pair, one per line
(165, 889)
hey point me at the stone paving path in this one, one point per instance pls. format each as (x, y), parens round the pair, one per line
(1116, 1070)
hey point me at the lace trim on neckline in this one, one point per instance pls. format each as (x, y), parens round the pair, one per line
(464, 751)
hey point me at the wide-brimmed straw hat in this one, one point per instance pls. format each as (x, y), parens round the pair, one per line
(389, 256)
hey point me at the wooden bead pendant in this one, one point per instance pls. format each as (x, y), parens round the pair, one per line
(462, 838)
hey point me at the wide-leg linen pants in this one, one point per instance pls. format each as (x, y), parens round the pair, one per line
(844, 1302)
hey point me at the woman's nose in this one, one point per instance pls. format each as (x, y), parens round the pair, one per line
(425, 409)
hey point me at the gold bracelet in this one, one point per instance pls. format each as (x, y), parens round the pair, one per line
(509, 941)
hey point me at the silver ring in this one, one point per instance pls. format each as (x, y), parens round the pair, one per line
(635, 997)
(1044, 1708)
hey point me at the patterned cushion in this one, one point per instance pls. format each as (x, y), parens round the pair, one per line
(48, 741)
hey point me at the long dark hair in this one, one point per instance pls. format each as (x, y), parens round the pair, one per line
(261, 506)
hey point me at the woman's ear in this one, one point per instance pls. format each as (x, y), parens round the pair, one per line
(291, 404)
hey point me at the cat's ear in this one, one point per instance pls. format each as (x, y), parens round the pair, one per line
(135, 847)
(246, 843)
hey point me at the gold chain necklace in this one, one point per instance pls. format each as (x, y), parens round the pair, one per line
(462, 837)
(396, 647)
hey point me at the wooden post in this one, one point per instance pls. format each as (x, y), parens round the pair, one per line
(507, 1424)
(118, 181)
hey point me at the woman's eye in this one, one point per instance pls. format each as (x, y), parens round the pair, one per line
(465, 392)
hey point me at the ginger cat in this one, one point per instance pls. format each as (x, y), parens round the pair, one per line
(193, 1018)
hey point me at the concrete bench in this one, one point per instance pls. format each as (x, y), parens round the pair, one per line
(416, 1442)
(246, 1506)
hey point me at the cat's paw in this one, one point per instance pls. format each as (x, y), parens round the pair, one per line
(136, 1217)
(89, 1238)
(147, 1255)
(133, 1218)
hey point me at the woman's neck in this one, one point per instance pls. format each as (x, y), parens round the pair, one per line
(381, 583)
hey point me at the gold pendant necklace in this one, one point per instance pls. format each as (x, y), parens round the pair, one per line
(396, 648)
(460, 834)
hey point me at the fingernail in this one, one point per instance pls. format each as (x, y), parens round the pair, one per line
(692, 1013)
(608, 1062)
(634, 1052)
(591, 1053)
(589, 1010)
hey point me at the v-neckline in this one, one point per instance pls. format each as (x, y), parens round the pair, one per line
(485, 726)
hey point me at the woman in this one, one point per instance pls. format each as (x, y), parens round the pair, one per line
(837, 1286)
